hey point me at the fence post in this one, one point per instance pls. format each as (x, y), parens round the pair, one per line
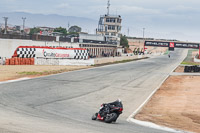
(199, 51)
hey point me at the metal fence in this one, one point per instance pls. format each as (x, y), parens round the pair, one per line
(43, 38)
(28, 37)
(99, 42)
(11, 36)
(65, 39)
(51, 38)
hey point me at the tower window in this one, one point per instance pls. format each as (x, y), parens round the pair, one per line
(111, 27)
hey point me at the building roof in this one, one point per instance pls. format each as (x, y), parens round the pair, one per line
(113, 16)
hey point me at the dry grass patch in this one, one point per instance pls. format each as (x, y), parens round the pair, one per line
(14, 72)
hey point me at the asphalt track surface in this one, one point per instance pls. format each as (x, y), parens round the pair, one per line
(64, 103)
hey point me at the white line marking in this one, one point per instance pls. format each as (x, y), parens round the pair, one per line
(15, 80)
(152, 125)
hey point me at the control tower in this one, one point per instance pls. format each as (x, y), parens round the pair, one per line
(110, 26)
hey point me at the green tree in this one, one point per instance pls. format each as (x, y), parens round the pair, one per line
(73, 33)
(74, 29)
(34, 30)
(61, 30)
(124, 42)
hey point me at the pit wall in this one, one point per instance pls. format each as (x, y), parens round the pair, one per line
(64, 62)
(93, 61)
(8, 46)
(114, 59)
(73, 62)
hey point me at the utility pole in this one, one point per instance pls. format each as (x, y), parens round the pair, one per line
(143, 32)
(24, 19)
(108, 7)
(6, 20)
(128, 31)
(68, 25)
(144, 39)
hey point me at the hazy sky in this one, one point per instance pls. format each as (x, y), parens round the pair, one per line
(174, 19)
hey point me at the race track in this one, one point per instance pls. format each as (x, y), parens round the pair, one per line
(64, 103)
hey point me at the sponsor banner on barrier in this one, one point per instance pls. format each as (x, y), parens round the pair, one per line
(49, 52)
(55, 53)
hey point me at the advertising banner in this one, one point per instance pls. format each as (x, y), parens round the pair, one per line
(54, 53)
(187, 45)
(157, 43)
(49, 52)
(172, 45)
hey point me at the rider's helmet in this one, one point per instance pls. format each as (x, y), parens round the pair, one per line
(119, 100)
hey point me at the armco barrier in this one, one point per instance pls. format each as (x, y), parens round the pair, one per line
(61, 61)
(192, 69)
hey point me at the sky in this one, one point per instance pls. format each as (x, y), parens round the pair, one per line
(167, 19)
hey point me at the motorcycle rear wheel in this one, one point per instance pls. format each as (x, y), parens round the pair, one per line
(110, 117)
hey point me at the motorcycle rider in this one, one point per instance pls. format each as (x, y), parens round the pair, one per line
(107, 106)
(109, 112)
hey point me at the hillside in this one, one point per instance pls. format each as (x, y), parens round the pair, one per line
(51, 20)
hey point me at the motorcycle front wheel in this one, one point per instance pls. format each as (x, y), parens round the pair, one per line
(94, 117)
(110, 117)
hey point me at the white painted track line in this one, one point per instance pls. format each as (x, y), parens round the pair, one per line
(15, 80)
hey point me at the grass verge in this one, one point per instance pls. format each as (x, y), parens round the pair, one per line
(34, 73)
(189, 63)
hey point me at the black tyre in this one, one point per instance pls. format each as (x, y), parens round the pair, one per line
(94, 117)
(110, 117)
(115, 118)
(186, 69)
(189, 69)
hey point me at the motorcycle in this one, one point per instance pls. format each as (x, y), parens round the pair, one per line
(109, 112)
